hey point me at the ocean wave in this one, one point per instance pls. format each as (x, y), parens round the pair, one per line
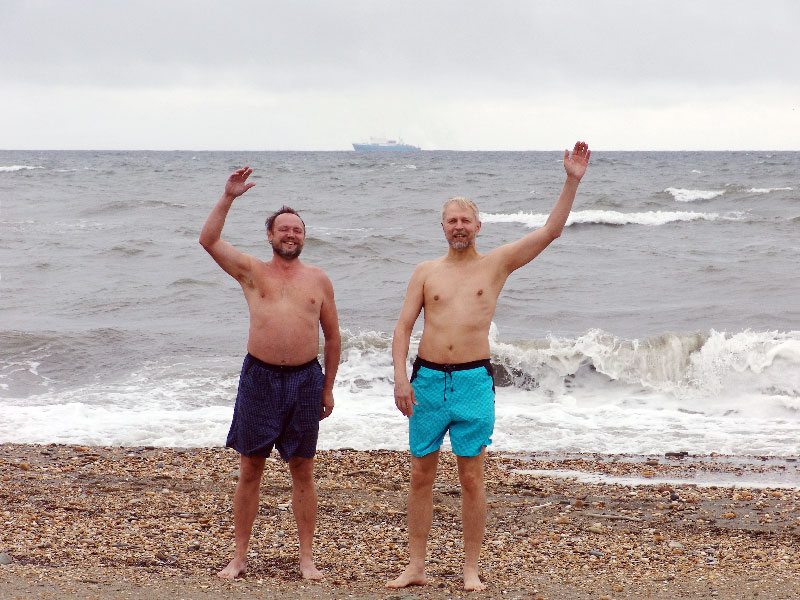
(609, 217)
(684, 195)
(769, 190)
(13, 168)
(714, 367)
(687, 366)
(708, 392)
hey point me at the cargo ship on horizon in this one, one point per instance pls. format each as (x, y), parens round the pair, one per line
(383, 145)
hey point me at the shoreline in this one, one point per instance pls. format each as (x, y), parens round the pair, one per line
(128, 522)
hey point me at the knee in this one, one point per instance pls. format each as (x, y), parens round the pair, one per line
(302, 469)
(250, 472)
(422, 478)
(471, 483)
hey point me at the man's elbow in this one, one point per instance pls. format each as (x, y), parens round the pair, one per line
(206, 241)
(552, 232)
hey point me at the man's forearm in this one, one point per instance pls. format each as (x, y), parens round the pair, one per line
(560, 213)
(333, 353)
(212, 230)
(400, 345)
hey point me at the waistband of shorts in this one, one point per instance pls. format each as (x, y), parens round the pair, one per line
(282, 368)
(475, 364)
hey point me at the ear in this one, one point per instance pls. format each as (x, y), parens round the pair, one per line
(479, 228)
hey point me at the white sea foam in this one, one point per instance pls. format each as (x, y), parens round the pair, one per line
(769, 190)
(606, 217)
(12, 168)
(711, 392)
(683, 195)
(723, 479)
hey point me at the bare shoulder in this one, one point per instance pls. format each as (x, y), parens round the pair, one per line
(318, 276)
(431, 265)
(424, 269)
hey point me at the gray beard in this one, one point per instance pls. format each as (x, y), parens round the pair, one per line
(460, 244)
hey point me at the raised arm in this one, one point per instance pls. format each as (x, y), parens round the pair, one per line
(329, 320)
(517, 254)
(229, 258)
(412, 306)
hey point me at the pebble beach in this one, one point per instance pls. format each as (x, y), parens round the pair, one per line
(147, 522)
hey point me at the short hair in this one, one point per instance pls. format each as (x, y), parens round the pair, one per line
(283, 210)
(464, 203)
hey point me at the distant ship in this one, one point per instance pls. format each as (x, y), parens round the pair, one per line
(383, 145)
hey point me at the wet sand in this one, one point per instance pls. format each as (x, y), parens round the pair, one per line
(145, 523)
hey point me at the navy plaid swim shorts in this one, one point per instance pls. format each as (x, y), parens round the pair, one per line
(277, 406)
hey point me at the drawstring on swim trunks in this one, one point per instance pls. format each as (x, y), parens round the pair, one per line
(448, 370)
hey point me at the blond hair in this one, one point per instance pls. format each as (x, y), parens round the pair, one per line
(463, 203)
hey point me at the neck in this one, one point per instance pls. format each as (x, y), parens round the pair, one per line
(284, 263)
(467, 253)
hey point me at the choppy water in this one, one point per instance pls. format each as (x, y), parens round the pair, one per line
(665, 318)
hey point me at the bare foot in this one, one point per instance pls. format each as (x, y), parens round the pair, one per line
(235, 568)
(309, 570)
(410, 576)
(473, 583)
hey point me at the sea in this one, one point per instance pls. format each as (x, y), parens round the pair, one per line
(666, 318)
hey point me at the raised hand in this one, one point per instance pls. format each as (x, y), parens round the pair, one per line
(575, 165)
(237, 182)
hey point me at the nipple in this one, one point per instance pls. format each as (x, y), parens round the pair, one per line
(480, 292)
(436, 297)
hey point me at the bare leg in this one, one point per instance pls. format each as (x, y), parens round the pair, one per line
(304, 506)
(420, 517)
(473, 515)
(245, 509)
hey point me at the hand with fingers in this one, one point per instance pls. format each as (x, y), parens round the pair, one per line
(237, 182)
(327, 404)
(575, 165)
(404, 398)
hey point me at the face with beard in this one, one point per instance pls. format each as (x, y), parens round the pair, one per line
(287, 236)
(460, 226)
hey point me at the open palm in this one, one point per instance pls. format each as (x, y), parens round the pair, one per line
(237, 182)
(575, 165)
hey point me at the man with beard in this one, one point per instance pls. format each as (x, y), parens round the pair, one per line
(451, 386)
(283, 393)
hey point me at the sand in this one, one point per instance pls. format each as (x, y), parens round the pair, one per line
(146, 523)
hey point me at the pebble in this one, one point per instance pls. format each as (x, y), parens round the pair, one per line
(5, 559)
(362, 528)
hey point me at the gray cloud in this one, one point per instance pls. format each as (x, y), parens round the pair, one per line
(461, 74)
(369, 43)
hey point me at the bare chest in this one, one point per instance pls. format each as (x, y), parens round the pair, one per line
(282, 294)
(459, 290)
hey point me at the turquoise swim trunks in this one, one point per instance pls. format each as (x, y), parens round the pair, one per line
(458, 398)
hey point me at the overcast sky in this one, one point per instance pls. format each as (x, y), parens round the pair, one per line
(460, 75)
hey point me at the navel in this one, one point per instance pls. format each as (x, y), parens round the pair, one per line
(480, 292)
(450, 347)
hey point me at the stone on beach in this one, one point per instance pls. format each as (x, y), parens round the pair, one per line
(102, 514)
